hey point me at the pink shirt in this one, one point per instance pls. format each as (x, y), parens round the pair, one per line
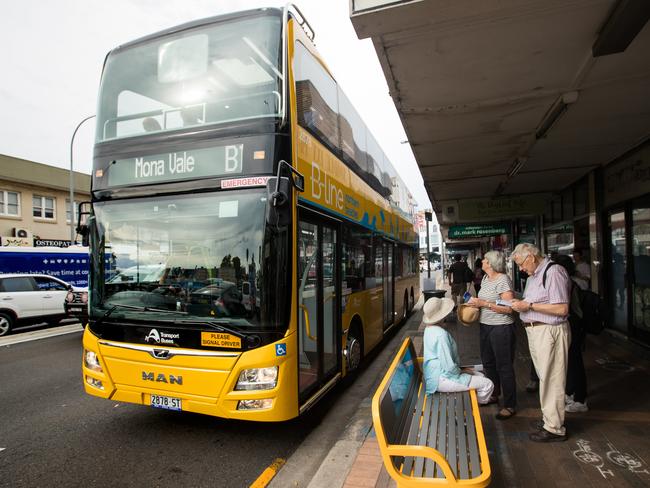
(557, 290)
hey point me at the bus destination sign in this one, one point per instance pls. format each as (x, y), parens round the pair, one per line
(177, 165)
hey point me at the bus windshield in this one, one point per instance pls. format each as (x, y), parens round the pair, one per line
(209, 74)
(186, 258)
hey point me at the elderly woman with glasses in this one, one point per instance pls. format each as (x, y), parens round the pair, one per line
(497, 331)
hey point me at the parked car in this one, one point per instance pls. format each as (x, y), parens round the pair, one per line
(31, 299)
(76, 304)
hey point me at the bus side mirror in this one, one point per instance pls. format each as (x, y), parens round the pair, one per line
(299, 182)
(82, 228)
(278, 210)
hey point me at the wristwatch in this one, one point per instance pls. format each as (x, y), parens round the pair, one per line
(530, 307)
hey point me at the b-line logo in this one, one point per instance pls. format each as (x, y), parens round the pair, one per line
(325, 189)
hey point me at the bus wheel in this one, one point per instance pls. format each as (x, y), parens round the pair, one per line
(406, 307)
(354, 349)
(6, 323)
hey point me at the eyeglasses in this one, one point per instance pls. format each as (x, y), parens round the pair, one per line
(521, 265)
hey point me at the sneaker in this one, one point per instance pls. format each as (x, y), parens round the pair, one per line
(546, 436)
(568, 399)
(576, 407)
(532, 386)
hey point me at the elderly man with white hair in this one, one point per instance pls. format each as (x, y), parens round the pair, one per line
(544, 312)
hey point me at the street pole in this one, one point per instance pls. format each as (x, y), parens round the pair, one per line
(72, 210)
(428, 217)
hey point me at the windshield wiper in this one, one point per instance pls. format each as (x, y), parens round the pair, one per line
(162, 310)
(112, 309)
(222, 325)
(135, 307)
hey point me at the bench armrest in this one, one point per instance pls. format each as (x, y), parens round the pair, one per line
(419, 451)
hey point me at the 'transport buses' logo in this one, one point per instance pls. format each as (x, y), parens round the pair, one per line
(155, 337)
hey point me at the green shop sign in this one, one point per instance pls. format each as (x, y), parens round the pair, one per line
(466, 231)
(498, 208)
(180, 165)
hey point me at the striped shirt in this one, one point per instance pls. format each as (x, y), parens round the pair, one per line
(557, 290)
(490, 291)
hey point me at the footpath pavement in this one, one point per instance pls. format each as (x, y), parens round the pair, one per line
(608, 446)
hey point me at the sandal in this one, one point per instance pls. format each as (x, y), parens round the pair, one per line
(505, 413)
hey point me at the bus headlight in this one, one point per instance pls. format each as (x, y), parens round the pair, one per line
(263, 404)
(94, 383)
(258, 379)
(92, 361)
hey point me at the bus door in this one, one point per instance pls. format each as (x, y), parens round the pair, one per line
(388, 283)
(318, 310)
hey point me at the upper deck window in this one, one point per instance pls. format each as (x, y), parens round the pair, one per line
(210, 74)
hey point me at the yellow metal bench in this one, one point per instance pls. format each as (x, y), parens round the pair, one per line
(428, 440)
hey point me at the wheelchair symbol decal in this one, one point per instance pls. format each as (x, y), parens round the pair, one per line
(280, 349)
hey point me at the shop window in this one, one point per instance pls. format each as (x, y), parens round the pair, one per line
(641, 260)
(560, 240)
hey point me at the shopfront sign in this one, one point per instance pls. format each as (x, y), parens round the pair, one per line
(52, 243)
(628, 178)
(475, 231)
(490, 208)
(16, 241)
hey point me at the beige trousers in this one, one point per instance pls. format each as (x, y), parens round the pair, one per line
(549, 346)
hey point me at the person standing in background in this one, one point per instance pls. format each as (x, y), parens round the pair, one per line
(576, 378)
(478, 274)
(582, 275)
(459, 275)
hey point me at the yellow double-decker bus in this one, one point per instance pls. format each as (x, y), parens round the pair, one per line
(250, 242)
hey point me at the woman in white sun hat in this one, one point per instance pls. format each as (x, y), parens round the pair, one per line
(441, 364)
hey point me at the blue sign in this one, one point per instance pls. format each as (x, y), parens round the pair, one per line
(71, 267)
(281, 349)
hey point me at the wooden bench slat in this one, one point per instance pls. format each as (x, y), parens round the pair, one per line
(430, 408)
(414, 430)
(439, 440)
(461, 425)
(452, 431)
(472, 442)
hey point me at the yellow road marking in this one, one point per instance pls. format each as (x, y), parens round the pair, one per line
(268, 474)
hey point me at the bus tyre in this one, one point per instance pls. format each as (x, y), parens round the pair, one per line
(6, 323)
(354, 349)
(405, 312)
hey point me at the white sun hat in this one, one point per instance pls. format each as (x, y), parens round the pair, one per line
(436, 309)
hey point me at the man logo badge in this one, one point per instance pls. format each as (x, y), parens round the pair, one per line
(162, 378)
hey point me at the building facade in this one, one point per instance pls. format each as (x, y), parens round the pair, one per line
(35, 203)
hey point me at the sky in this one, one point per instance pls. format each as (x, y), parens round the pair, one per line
(53, 53)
